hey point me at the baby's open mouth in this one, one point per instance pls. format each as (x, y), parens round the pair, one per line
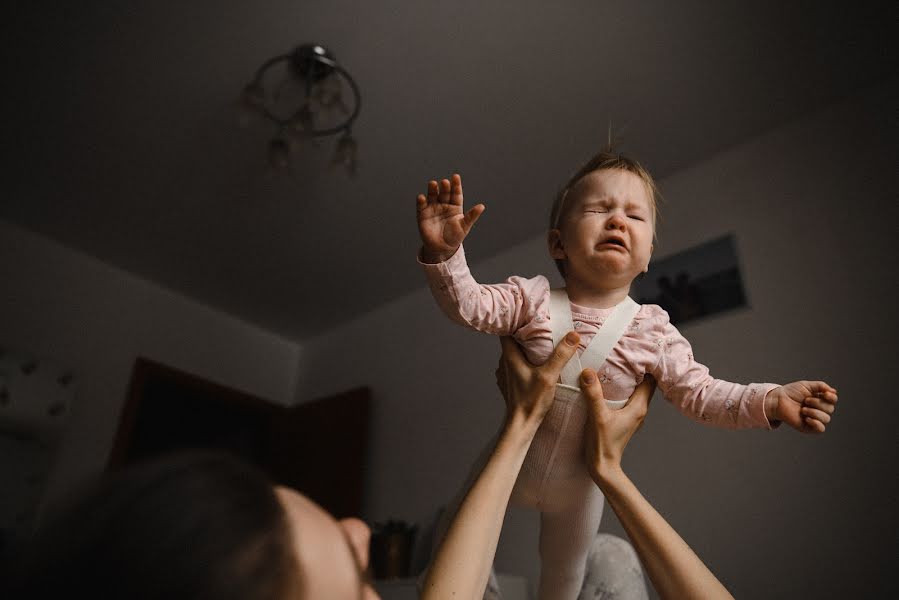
(613, 242)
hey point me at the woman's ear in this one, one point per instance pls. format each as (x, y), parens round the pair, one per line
(554, 243)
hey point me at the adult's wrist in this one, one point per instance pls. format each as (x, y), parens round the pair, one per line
(608, 476)
(521, 427)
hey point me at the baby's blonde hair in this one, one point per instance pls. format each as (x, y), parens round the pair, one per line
(604, 161)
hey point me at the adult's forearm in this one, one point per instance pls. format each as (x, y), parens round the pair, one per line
(672, 566)
(461, 567)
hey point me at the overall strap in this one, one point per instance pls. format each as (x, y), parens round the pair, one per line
(602, 343)
(608, 335)
(560, 322)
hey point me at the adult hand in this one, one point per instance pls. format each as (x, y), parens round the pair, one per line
(529, 390)
(672, 566)
(608, 431)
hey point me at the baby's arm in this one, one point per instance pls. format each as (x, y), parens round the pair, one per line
(688, 385)
(499, 309)
(804, 405)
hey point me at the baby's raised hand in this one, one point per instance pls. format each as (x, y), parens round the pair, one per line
(803, 405)
(441, 221)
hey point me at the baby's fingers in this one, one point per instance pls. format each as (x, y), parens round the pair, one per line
(813, 413)
(456, 189)
(819, 388)
(433, 191)
(821, 403)
(829, 397)
(444, 191)
(813, 425)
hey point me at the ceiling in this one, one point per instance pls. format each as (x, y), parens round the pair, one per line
(122, 136)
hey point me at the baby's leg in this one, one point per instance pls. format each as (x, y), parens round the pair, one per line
(565, 539)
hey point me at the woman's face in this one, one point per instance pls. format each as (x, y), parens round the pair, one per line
(332, 555)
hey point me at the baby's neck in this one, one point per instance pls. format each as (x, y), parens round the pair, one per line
(595, 297)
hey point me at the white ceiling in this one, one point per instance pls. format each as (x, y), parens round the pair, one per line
(123, 139)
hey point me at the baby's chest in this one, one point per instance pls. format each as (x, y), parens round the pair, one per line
(620, 373)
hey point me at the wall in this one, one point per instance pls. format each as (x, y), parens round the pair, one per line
(774, 514)
(94, 319)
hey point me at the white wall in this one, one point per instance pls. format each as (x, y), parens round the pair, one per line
(58, 304)
(776, 515)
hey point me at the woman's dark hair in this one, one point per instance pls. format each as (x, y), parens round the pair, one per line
(199, 525)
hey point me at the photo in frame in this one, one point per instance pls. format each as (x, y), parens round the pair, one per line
(695, 283)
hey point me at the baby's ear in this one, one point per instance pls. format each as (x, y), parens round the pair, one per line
(554, 243)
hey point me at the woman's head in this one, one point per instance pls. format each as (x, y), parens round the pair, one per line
(333, 554)
(635, 185)
(199, 525)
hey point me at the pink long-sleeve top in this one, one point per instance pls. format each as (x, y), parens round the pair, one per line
(651, 344)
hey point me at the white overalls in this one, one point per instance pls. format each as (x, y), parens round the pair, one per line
(554, 477)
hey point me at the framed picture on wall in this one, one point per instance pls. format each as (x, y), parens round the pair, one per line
(696, 283)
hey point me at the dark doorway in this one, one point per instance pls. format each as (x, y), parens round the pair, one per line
(317, 448)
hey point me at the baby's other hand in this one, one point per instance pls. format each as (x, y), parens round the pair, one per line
(441, 220)
(806, 406)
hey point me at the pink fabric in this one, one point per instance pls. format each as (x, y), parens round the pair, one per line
(651, 344)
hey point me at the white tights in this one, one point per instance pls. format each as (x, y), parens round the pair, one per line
(554, 480)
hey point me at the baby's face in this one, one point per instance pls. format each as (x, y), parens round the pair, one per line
(605, 233)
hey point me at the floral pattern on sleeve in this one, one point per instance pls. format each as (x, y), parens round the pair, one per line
(499, 309)
(688, 385)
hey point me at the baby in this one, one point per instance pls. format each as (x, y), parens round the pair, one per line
(602, 226)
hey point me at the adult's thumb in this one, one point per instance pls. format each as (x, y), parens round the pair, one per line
(638, 403)
(592, 391)
(562, 353)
